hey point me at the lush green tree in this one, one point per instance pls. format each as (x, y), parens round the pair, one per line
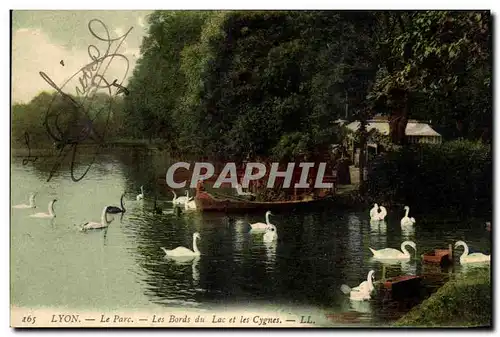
(435, 65)
(273, 83)
(49, 117)
(158, 85)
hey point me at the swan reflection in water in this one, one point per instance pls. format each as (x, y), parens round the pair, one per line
(407, 232)
(240, 229)
(362, 307)
(407, 267)
(355, 238)
(271, 253)
(378, 232)
(188, 261)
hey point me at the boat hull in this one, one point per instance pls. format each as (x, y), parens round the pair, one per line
(205, 202)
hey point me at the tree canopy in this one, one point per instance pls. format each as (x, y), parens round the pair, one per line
(252, 84)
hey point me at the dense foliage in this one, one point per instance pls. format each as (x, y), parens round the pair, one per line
(64, 121)
(253, 83)
(456, 175)
(272, 83)
(435, 65)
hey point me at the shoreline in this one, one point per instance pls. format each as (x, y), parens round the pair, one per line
(464, 301)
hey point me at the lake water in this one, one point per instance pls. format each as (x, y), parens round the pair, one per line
(53, 264)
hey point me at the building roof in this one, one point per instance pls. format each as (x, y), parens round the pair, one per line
(413, 128)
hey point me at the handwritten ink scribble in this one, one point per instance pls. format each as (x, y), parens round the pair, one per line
(71, 127)
(120, 88)
(62, 63)
(29, 159)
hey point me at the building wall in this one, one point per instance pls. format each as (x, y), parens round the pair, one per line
(424, 139)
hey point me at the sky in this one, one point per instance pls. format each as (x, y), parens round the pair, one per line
(42, 39)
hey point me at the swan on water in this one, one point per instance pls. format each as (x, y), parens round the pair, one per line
(271, 233)
(183, 251)
(181, 201)
(50, 214)
(260, 226)
(406, 221)
(374, 212)
(31, 202)
(375, 215)
(116, 210)
(363, 291)
(239, 190)
(140, 196)
(97, 225)
(190, 204)
(382, 214)
(471, 258)
(394, 254)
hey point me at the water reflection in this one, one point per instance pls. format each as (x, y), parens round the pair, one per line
(364, 307)
(396, 267)
(408, 232)
(271, 253)
(315, 254)
(378, 234)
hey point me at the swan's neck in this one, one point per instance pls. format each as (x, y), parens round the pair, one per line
(51, 208)
(370, 282)
(175, 196)
(187, 194)
(104, 220)
(466, 250)
(195, 247)
(403, 249)
(32, 201)
(121, 203)
(407, 212)
(142, 190)
(383, 212)
(267, 219)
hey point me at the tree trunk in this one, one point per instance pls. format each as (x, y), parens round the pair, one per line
(397, 126)
(399, 115)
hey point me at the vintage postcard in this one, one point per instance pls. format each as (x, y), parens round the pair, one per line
(251, 169)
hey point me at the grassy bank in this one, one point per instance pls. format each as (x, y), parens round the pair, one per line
(462, 302)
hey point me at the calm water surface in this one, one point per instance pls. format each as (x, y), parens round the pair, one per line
(53, 264)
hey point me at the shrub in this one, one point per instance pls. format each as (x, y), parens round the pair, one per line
(456, 175)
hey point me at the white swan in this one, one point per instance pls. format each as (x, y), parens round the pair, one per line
(31, 204)
(260, 226)
(97, 225)
(271, 234)
(180, 200)
(471, 258)
(374, 212)
(183, 251)
(406, 221)
(382, 214)
(375, 215)
(140, 196)
(394, 254)
(240, 191)
(51, 213)
(190, 205)
(361, 292)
